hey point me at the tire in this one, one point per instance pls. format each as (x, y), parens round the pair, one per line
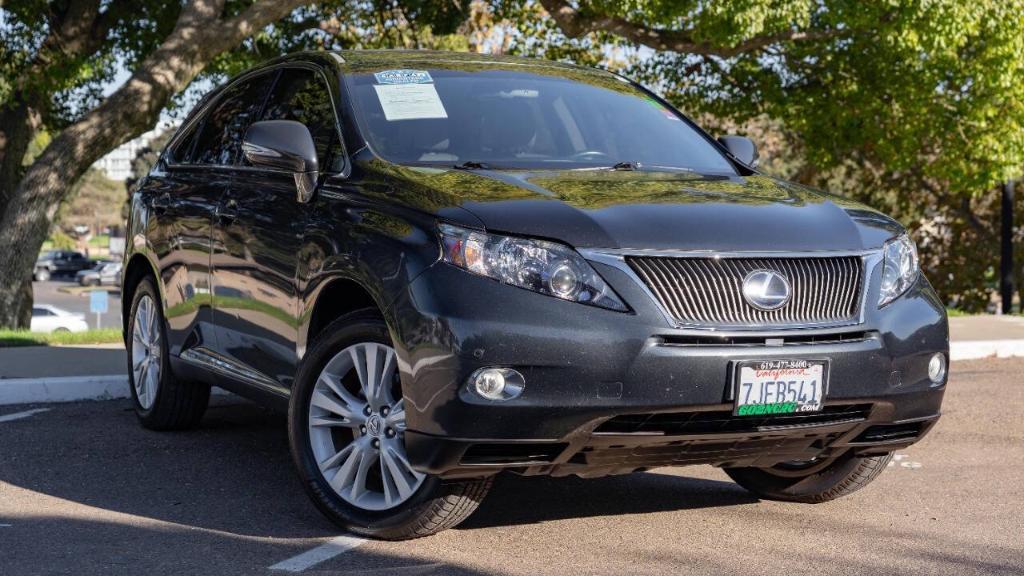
(433, 506)
(61, 330)
(161, 401)
(838, 478)
(42, 275)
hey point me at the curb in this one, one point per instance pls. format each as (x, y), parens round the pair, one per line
(68, 389)
(975, 349)
(62, 389)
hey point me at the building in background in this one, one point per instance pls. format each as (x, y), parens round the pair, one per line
(117, 165)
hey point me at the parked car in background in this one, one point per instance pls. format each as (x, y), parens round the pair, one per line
(59, 262)
(103, 274)
(46, 318)
(451, 266)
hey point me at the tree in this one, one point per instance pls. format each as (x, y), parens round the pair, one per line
(75, 35)
(914, 107)
(56, 56)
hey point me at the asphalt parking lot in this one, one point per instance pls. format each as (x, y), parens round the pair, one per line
(84, 490)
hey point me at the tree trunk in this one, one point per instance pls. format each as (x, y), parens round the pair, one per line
(198, 37)
(17, 129)
(18, 126)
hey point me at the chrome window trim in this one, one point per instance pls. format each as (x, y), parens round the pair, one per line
(617, 259)
(218, 93)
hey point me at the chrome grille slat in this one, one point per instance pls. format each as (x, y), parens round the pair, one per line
(707, 291)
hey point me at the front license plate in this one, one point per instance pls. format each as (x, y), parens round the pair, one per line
(779, 386)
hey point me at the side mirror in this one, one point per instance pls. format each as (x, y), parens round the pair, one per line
(287, 146)
(741, 148)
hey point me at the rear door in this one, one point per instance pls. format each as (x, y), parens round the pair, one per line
(260, 233)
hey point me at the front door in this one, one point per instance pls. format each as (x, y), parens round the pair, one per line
(259, 235)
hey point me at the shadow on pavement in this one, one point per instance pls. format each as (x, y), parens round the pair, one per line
(529, 500)
(87, 491)
(235, 474)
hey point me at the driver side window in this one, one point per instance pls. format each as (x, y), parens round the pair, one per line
(301, 95)
(220, 137)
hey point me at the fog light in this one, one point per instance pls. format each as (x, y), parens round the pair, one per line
(497, 383)
(937, 368)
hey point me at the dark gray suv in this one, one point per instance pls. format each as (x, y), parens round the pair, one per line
(449, 266)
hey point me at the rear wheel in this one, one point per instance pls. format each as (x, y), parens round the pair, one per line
(813, 481)
(346, 427)
(42, 275)
(161, 401)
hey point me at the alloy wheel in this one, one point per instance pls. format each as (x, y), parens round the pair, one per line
(357, 426)
(146, 352)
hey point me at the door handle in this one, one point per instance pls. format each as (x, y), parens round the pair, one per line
(161, 203)
(227, 213)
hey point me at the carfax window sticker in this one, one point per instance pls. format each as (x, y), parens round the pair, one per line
(403, 77)
(409, 102)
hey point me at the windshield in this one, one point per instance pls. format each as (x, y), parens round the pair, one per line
(496, 118)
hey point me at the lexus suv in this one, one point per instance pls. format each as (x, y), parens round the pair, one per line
(447, 266)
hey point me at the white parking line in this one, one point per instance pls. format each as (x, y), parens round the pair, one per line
(20, 415)
(902, 461)
(325, 551)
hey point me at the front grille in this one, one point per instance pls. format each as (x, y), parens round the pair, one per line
(709, 291)
(724, 422)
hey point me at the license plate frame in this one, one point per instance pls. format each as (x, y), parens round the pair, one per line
(803, 405)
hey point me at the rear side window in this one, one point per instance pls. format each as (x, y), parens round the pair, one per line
(301, 95)
(220, 138)
(181, 152)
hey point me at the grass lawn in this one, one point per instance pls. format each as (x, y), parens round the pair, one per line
(12, 338)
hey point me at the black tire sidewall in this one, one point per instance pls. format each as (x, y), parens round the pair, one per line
(812, 487)
(361, 326)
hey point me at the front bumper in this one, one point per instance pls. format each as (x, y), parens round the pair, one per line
(610, 392)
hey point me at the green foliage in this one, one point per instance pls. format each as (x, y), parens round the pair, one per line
(94, 200)
(352, 24)
(125, 34)
(17, 338)
(59, 240)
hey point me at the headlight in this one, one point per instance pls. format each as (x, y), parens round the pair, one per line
(899, 268)
(545, 267)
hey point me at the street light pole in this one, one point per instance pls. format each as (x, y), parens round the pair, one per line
(1006, 248)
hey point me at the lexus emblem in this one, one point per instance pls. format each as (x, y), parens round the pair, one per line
(373, 425)
(766, 290)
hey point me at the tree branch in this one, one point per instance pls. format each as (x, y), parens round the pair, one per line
(199, 35)
(576, 24)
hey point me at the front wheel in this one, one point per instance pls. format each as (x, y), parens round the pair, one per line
(346, 426)
(42, 275)
(811, 482)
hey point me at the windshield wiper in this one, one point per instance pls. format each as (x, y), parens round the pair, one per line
(472, 165)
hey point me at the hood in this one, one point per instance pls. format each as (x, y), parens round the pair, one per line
(645, 210)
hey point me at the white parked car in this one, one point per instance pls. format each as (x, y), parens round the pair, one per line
(46, 318)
